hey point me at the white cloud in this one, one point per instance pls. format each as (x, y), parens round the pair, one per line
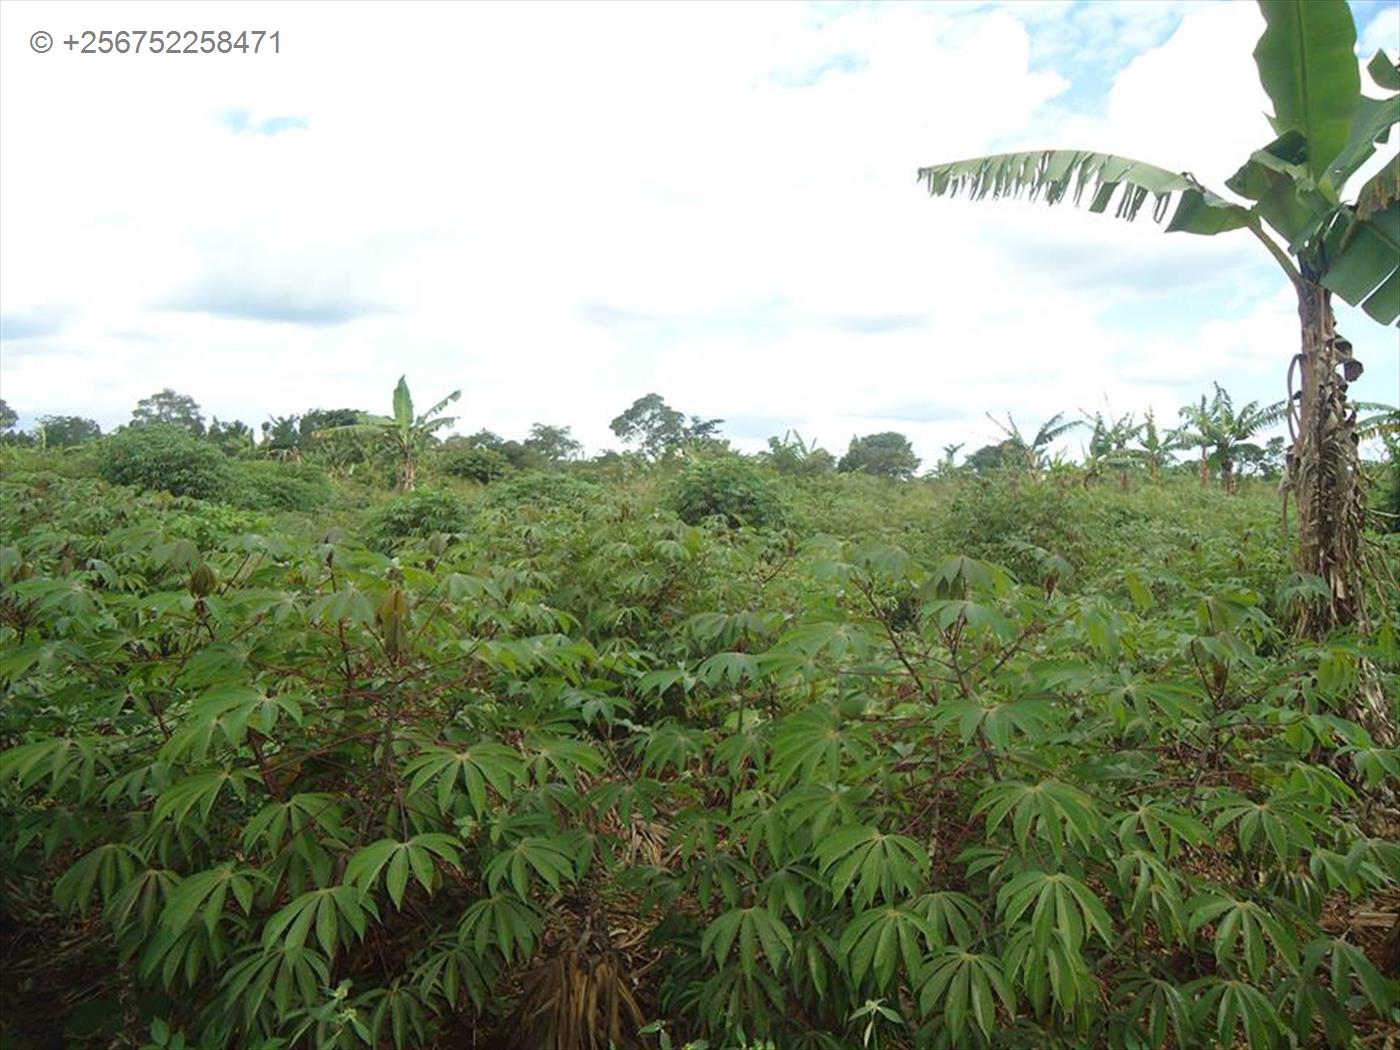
(1383, 31)
(561, 207)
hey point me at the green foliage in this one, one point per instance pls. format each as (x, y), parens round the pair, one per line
(1223, 433)
(579, 760)
(660, 431)
(234, 438)
(272, 486)
(988, 458)
(67, 431)
(728, 487)
(459, 458)
(1017, 525)
(793, 457)
(404, 436)
(167, 408)
(545, 492)
(554, 445)
(886, 455)
(416, 514)
(158, 457)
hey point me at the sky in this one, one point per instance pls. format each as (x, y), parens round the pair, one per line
(559, 208)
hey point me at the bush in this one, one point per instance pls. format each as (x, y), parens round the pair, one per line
(280, 486)
(731, 488)
(471, 463)
(156, 458)
(1000, 517)
(548, 491)
(417, 514)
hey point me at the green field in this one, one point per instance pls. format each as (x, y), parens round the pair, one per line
(1015, 759)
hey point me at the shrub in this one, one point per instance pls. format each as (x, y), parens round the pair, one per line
(548, 491)
(265, 485)
(417, 514)
(472, 463)
(1001, 517)
(158, 457)
(731, 488)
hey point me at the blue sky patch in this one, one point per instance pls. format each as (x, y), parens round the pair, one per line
(240, 122)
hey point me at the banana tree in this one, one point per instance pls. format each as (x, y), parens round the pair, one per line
(1155, 448)
(1223, 433)
(1033, 453)
(1108, 447)
(406, 435)
(1326, 130)
(945, 464)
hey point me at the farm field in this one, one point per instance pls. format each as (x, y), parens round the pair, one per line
(982, 634)
(982, 760)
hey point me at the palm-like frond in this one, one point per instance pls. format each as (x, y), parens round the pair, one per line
(429, 426)
(1385, 422)
(1057, 175)
(1010, 429)
(1053, 428)
(428, 415)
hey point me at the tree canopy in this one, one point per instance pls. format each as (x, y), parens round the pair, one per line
(168, 407)
(660, 431)
(885, 455)
(65, 431)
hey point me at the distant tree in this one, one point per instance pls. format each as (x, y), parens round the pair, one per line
(66, 431)
(464, 458)
(485, 439)
(1034, 452)
(168, 407)
(1155, 448)
(318, 419)
(8, 417)
(234, 438)
(1223, 434)
(282, 437)
(791, 455)
(323, 441)
(405, 434)
(552, 444)
(521, 456)
(660, 431)
(886, 455)
(1266, 462)
(1108, 447)
(994, 457)
(947, 463)
(514, 454)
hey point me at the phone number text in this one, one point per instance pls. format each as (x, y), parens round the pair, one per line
(175, 42)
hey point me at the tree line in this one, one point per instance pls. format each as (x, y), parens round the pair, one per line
(1217, 433)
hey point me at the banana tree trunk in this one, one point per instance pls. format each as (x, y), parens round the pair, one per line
(1205, 467)
(1324, 472)
(408, 474)
(1323, 465)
